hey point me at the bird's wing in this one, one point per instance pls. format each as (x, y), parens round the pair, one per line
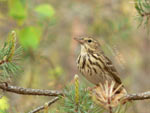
(109, 66)
(111, 69)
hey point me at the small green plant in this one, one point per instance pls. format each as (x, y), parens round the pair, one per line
(143, 9)
(8, 56)
(78, 100)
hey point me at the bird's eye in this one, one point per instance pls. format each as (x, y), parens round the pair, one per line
(89, 41)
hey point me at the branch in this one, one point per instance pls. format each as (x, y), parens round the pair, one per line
(43, 107)
(3, 61)
(145, 14)
(138, 96)
(42, 92)
(29, 91)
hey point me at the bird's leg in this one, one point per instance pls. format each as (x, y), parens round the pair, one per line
(91, 88)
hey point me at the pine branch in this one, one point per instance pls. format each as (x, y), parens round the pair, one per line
(138, 96)
(3, 61)
(42, 92)
(43, 106)
(29, 91)
(145, 14)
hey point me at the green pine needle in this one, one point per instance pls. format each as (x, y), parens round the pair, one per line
(9, 55)
(85, 105)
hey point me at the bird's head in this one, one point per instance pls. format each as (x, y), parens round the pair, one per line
(88, 44)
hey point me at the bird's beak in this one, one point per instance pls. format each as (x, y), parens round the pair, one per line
(79, 40)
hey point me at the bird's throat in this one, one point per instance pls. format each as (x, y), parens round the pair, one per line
(83, 50)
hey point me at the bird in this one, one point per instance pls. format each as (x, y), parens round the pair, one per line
(94, 65)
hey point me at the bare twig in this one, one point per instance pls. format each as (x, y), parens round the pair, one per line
(138, 96)
(43, 107)
(29, 91)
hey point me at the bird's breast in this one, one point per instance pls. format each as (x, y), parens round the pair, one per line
(90, 68)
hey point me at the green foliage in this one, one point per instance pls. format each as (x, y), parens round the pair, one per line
(17, 9)
(142, 6)
(78, 100)
(8, 57)
(4, 105)
(29, 37)
(143, 9)
(45, 14)
(56, 72)
(85, 104)
(45, 11)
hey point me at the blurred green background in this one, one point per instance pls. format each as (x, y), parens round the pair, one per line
(45, 29)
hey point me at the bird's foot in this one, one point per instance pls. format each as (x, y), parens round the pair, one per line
(90, 88)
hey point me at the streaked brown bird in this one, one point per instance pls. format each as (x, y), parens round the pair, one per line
(94, 65)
